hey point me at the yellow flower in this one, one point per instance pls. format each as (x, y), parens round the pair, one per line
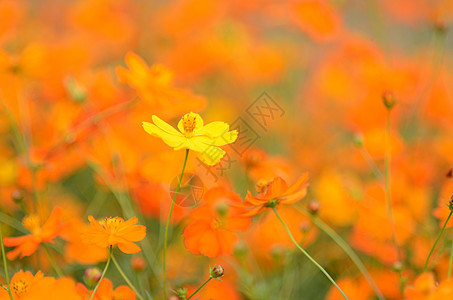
(194, 135)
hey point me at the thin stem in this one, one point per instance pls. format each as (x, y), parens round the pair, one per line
(346, 248)
(103, 273)
(8, 288)
(369, 160)
(52, 262)
(168, 225)
(435, 243)
(125, 277)
(22, 148)
(388, 195)
(308, 255)
(450, 261)
(201, 286)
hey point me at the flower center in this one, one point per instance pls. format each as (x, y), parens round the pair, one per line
(216, 224)
(189, 122)
(262, 186)
(20, 287)
(32, 223)
(112, 224)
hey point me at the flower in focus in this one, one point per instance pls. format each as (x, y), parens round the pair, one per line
(115, 231)
(276, 192)
(106, 291)
(194, 135)
(213, 226)
(27, 245)
(75, 249)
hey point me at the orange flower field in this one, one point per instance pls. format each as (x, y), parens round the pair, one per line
(226, 150)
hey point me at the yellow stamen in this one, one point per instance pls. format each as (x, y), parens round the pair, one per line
(20, 287)
(112, 224)
(189, 122)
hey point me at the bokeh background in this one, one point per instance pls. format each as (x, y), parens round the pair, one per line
(303, 82)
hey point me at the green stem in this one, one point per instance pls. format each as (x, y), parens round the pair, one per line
(369, 160)
(201, 286)
(435, 243)
(168, 225)
(23, 149)
(347, 249)
(450, 261)
(388, 195)
(103, 273)
(308, 255)
(8, 288)
(52, 262)
(125, 277)
(128, 211)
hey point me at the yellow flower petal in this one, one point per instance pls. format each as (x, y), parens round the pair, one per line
(226, 138)
(211, 156)
(165, 126)
(169, 139)
(213, 129)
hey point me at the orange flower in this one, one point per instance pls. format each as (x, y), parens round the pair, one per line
(276, 192)
(317, 18)
(28, 244)
(115, 231)
(75, 249)
(25, 286)
(423, 286)
(155, 85)
(106, 291)
(211, 232)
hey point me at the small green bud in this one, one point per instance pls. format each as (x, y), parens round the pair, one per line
(216, 272)
(357, 139)
(389, 99)
(313, 207)
(92, 276)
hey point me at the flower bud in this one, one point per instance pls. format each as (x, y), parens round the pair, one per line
(217, 271)
(138, 264)
(389, 99)
(357, 139)
(181, 293)
(304, 226)
(92, 276)
(17, 196)
(397, 266)
(313, 207)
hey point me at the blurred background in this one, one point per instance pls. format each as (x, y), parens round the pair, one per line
(302, 81)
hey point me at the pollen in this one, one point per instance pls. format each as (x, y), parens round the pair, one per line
(112, 224)
(189, 122)
(20, 287)
(32, 223)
